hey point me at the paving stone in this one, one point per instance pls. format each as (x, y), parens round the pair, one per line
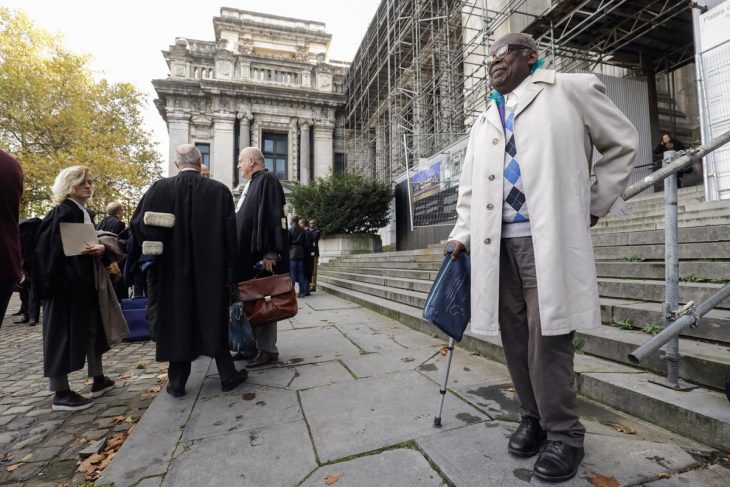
(313, 345)
(17, 410)
(267, 456)
(115, 411)
(400, 467)
(477, 455)
(363, 415)
(327, 302)
(465, 369)
(307, 317)
(7, 437)
(379, 364)
(43, 428)
(37, 412)
(5, 420)
(321, 374)
(712, 476)
(374, 339)
(247, 407)
(273, 377)
(44, 454)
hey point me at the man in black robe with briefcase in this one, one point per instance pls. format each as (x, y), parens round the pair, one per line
(187, 222)
(263, 242)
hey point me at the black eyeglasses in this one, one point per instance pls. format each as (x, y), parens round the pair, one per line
(503, 51)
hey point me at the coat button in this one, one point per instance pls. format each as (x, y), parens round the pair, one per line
(487, 241)
(491, 177)
(495, 141)
(490, 206)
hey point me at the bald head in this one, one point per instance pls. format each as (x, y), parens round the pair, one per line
(187, 155)
(250, 160)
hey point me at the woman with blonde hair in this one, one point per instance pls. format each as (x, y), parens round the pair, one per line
(72, 325)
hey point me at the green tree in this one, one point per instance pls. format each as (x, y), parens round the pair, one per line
(53, 114)
(345, 203)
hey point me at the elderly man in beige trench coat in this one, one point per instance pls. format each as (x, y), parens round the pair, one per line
(526, 204)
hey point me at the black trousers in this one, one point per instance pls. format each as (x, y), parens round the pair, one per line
(31, 306)
(179, 372)
(6, 290)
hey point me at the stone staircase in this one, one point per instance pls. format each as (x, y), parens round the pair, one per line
(630, 266)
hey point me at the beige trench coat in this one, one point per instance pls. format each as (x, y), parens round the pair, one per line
(559, 119)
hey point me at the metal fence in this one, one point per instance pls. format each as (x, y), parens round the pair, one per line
(714, 72)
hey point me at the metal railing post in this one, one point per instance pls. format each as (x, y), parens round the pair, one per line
(671, 268)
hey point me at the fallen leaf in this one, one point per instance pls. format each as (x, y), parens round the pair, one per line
(140, 365)
(13, 468)
(664, 475)
(164, 367)
(249, 396)
(331, 479)
(154, 389)
(88, 382)
(444, 351)
(26, 458)
(408, 359)
(6, 457)
(162, 378)
(119, 419)
(599, 480)
(509, 389)
(467, 369)
(621, 428)
(125, 376)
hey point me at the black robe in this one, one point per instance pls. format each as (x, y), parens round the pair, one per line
(70, 299)
(197, 262)
(111, 224)
(261, 226)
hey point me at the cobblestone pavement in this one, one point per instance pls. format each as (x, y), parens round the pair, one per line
(40, 447)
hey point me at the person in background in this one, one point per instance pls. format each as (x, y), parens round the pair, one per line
(194, 262)
(308, 262)
(73, 331)
(262, 238)
(315, 233)
(11, 189)
(112, 222)
(668, 142)
(297, 252)
(31, 306)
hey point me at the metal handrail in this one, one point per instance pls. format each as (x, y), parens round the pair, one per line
(675, 320)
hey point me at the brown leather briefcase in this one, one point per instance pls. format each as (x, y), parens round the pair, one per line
(268, 299)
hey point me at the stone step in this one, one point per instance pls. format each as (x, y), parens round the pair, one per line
(381, 262)
(692, 270)
(699, 210)
(427, 275)
(704, 361)
(716, 233)
(420, 285)
(648, 290)
(714, 326)
(701, 414)
(620, 226)
(683, 218)
(687, 251)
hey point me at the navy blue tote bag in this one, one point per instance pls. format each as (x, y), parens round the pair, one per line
(448, 305)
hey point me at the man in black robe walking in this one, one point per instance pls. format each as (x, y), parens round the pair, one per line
(262, 238)
(195, 262)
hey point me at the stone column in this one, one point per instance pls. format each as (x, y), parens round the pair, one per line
(304, 173)
(222, 160)
(256, 134)
(244, 138)
(293, 173)
(178, 127)
(323, 149)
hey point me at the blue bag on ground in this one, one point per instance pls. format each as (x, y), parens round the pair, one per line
(448, 305)
(240, 334)
(135, 312)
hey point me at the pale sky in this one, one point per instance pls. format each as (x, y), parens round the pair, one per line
(124, 38)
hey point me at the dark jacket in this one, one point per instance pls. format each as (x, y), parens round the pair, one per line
(111, 224)
(674, 144)
(315, 234)
(11, 189)
(297, 242)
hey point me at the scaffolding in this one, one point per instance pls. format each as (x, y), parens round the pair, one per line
(419, 78)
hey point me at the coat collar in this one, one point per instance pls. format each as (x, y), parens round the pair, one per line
(538, 80)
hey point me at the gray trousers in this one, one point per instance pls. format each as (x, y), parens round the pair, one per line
(265, 336)
(93, 362)
(541, 367)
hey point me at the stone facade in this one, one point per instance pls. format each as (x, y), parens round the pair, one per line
(264, 79)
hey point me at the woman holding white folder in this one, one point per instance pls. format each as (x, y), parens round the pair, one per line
(72, 326)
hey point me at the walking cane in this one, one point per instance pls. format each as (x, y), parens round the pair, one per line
(442, 391)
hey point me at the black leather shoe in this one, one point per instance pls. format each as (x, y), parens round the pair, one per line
(17, 313)
(101, 385)
(558, 462)
(32, 323)
(22, 321)
(70, 401)
(526, 441)
(244, 356)
(173, 391)
(237, 380)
